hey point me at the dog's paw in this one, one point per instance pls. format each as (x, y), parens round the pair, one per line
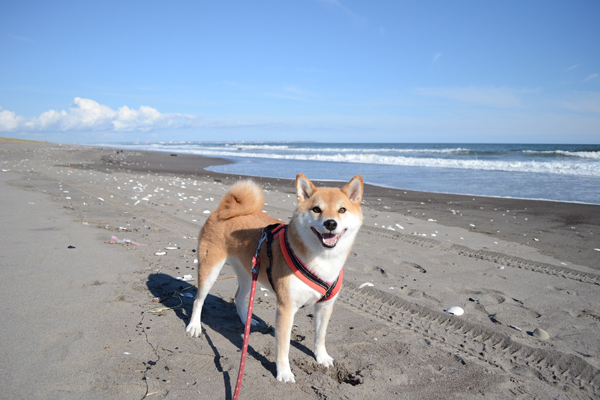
(286, 376)
(254, 322)
(195, 330)
(325, 360)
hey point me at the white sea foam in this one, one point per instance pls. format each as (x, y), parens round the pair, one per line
(301, 149)
(595, 155)
(295, 148)
(563, 167)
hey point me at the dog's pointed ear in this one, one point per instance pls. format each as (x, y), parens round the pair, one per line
(304, 188)
(354, 189)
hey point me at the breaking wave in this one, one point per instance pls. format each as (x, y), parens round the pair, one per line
(564, 166)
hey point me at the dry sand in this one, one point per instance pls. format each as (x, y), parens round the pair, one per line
(80, 322)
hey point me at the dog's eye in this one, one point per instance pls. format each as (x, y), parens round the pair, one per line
(316, 210)
(342, 210)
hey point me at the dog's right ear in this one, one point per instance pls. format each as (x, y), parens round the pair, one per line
(304, 188)
(354, 189)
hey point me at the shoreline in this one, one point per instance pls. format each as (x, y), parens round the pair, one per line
(224, 161)
(95, 235)
(433, 192)
(555, 220)
(514, 174)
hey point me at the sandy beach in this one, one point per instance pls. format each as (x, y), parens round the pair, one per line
(92, 236)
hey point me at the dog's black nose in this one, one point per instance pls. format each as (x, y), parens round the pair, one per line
(330, 224)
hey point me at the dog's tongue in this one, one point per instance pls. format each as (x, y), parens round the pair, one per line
(329, 238)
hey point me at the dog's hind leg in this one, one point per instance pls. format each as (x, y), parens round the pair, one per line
(207, 276)
(244, 287)
(322, 314)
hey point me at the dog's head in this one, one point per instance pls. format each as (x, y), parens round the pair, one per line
(329, 215)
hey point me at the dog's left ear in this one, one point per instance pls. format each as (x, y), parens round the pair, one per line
(304, 188)
(354, 189)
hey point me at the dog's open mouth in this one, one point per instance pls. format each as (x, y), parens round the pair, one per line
(328, 239)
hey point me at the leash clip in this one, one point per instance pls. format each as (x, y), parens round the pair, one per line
(256, 258)
(255, 264)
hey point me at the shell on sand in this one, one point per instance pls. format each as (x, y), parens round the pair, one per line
(455, 310)
(540, 334)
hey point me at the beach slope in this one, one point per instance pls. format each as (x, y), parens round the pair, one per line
(95, 240)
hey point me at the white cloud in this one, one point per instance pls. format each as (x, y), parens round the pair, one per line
(338, 7)
(20, 38)
(589, 78)
(481, 96)
(89, 115)
(572, 67)
(436, 57)
(297, 90)
(583, 102)
(283, 96)
(9, 121)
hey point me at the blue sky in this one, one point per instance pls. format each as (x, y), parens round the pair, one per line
(319, 70)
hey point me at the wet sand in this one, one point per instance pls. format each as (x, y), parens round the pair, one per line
(88, 310)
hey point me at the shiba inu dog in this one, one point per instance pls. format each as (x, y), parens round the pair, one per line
(305, 258)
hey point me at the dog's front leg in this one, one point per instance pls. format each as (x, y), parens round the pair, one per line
(283, 332)
(322, 313)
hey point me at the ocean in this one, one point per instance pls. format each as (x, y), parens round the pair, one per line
(531, 171)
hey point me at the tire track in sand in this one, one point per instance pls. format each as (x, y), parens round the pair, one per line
(493, 257)
(516, 262)
(487, 345)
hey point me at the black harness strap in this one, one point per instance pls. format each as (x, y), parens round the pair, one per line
(328, 293)
(271, 231)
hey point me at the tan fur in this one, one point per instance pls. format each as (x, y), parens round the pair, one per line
(243, 198)
(232, 232)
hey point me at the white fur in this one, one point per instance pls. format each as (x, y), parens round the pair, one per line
(327, 263)
(194, 328)
(244, 288)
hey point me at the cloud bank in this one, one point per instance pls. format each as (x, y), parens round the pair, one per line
(87, 115)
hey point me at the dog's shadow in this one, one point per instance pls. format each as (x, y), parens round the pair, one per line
(220, 315)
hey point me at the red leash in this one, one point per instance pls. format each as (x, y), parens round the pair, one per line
(255, 270)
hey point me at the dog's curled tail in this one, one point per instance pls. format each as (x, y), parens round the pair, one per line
(243, 198)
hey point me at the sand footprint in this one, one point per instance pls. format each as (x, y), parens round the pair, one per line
(412, 265)
(565, 291)
(495, 298)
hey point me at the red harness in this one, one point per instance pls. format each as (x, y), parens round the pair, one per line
(328, 290)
